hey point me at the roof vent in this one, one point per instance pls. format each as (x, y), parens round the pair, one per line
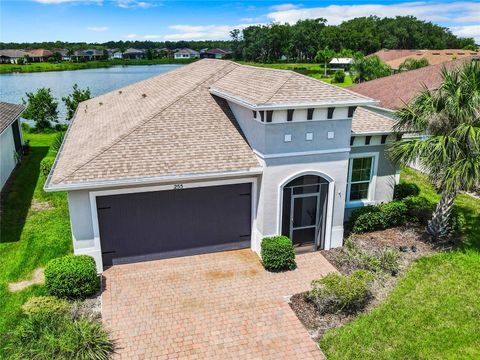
(100, 103)
(144, 96)
(119, 91)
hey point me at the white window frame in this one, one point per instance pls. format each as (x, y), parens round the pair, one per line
(373, 180)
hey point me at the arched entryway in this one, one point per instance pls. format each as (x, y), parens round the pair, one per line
(304, 211)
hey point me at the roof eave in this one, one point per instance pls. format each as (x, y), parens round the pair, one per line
(299, 105)
(98, 184)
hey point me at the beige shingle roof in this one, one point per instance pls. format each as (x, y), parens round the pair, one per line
(368, 121)
(171, 125)
(8, 114)
(258, 86)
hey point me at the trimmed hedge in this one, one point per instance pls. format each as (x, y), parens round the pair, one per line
(46, 165)
(378, 217)
(339, 77)
(419, 209)
(340, 293)
(278, 254)
(401, 191)
(46, 305)
(72, 277)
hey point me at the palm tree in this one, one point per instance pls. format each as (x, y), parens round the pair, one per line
(449, 151)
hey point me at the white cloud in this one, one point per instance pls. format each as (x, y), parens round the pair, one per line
(129, 4)
(98, 28)
(203, 32)
(460, 12)
(152, 36)
(284, 7)
(138, 36)
(131, 36)
(467, 31)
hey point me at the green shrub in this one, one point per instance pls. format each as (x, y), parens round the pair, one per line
(26, 128)
(389, 260)
(378, 217)
(339, 293)
(46, 165)
(419, 209)
(339, 76)
(59, 337)
(401, 191)
(48, 305)
(72, 277)
(57, 141)
(278, 254)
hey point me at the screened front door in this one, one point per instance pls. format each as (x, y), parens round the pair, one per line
(304, 210)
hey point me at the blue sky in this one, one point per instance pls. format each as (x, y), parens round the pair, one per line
(103, 20)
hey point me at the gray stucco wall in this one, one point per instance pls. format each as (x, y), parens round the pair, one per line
(269, 138)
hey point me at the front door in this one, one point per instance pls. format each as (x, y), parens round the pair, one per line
(304, 219)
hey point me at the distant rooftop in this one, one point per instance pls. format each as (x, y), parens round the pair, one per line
(8, 114)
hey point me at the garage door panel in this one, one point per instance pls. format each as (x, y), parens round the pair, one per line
(156, 223)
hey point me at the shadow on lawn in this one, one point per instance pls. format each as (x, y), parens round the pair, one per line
(18, 194)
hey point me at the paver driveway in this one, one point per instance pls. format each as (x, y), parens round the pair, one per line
(214, 306)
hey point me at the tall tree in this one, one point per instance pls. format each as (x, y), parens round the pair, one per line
(368, 68)
(41, 107)
(450, 154)
(76, 97)
(325, 55)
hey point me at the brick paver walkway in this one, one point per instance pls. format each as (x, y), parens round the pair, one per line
(214, 306)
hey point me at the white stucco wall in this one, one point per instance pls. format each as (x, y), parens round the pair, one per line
(7, 155)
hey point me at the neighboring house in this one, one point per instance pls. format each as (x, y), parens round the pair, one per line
(79, 55)
(215, 156)
(93, 54)
(132, 53)
(341, 63)
(39, 55)
(215, 53)
(9, 56)
(394, 58)
(10, 139)
(394, 91)
(186, 53)
(63, 53)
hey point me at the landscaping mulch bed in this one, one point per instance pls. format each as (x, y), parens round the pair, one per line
(411, 237)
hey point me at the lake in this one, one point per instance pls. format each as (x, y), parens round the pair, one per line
(100, 81)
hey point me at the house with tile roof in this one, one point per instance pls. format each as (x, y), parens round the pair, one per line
(215, 156)
(186, 53)
(11, 140)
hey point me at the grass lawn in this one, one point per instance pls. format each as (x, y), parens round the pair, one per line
(67, 65)
(433, 313)
(29, 238)
(313, 70)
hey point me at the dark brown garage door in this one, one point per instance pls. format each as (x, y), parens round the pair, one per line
(161, 224)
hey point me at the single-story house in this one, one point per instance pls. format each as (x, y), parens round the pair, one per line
(10, 139)
(39, 55)
(186, 53)
(341, 63)
(215, 53)
(215, 156)
(132, 53)
(9, 56)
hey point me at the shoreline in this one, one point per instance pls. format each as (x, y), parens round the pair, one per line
(97, 64)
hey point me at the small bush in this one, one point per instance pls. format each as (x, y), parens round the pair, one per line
(378, 217)
(389, 260)
(278, 254)
(72, 277)
(46, 165)
(419, 209)
(47, 305)
(339, 76)
(401, 191)
(26, 128)
(57, 142)
(339, 293)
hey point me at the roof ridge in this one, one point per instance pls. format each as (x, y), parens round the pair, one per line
(123, 136)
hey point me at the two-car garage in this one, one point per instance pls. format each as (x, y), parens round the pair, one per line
(147, 225)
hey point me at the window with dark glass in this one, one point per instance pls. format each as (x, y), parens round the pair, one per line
(367, 140)
(360, 178)
(399, 137)
(330, 112)
(351, 111)
(352, 139)
(269, 115)
(254, 114)
(310, 114)
(384, 139)
(290, 114)
(262, 116)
